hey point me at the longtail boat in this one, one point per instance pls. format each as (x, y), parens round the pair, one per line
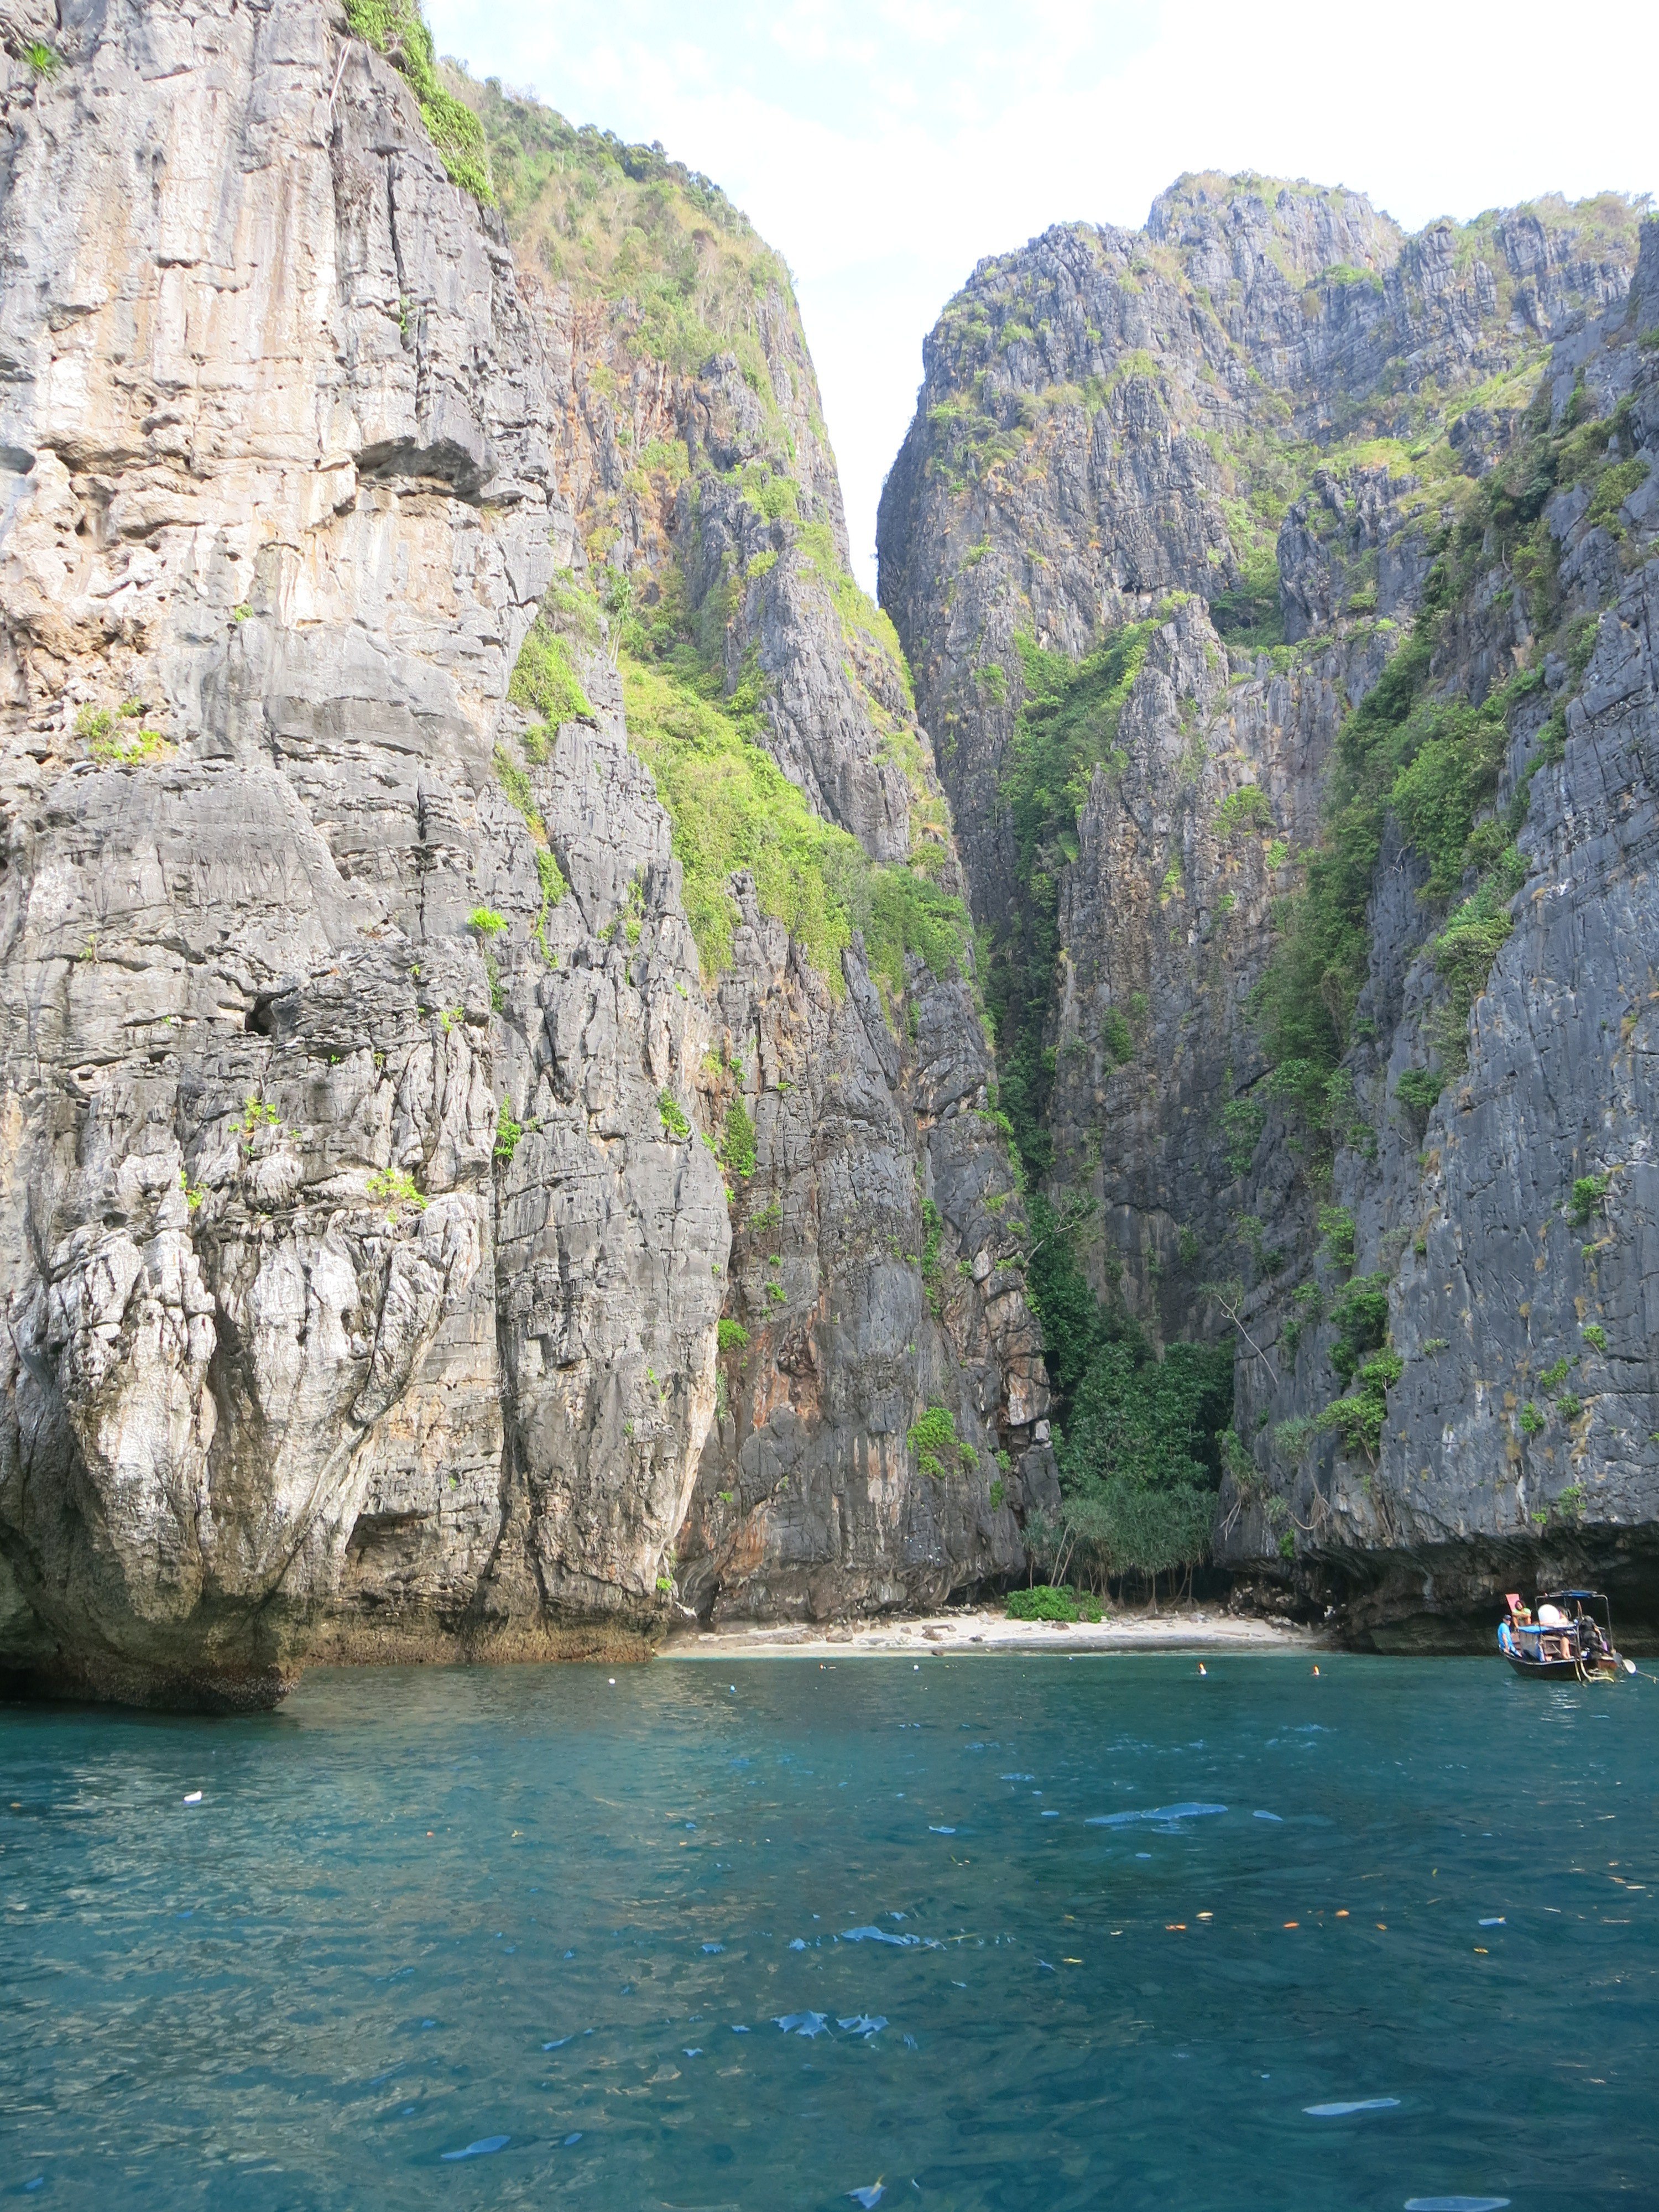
(1562, 1637)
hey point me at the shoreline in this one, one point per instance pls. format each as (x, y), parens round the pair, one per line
(981, 1630)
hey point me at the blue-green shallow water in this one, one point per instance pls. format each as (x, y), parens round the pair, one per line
(349, 1958)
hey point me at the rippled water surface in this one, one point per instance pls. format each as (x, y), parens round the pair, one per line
(1040, 1933)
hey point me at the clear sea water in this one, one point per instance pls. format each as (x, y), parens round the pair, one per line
(555, 1922)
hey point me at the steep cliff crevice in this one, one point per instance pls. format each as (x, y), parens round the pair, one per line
(841, 974)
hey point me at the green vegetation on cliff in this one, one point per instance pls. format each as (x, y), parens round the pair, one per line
(659, 242)
(1140, 1450)
(732, 807)
(1432, 764)
(1067, 729)
(397, 29)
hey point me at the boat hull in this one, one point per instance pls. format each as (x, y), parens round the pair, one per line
(1570, 1668)
(1560, 1656)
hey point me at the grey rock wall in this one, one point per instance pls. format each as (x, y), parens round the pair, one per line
(363, 1244)
(1514, 1222)
(293, 1360)
(1105, 420)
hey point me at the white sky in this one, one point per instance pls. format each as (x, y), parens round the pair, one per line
(883, 145)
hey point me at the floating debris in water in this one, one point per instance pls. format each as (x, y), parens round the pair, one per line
(576, 2138)
(194, 1798)
(709, 1949)
(562, 2042)
(798, 1944)
(802, 2023)
(864, 2023)
(739, 2031)
(1165, 1813)
(1359, 2104)
(1278, 1819)
(940, 1832)
(879, 1936)
(482, 2148)
(873, 2195)
(1498, 1923)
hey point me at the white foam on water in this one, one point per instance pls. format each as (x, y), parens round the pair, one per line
(482, 2148)
(1456, 2203)
(1160, 1812)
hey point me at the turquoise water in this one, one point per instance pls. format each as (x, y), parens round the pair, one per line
(418, 1914)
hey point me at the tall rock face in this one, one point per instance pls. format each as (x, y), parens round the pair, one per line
(874, 1284)
(1276, 587)
(368, 1051)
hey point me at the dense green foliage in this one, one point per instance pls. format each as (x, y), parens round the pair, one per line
(1590, 1196)
(732, 806)
(1358, 1418)
(544, 683)
(938, 1451)
(737, 1152)
(1042, 1601)
(1139, 1456)
(1360, 1311)
(398, 29)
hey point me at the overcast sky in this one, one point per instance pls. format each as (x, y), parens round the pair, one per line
(883, 145)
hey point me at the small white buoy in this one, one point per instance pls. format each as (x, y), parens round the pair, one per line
(613, 1681)
(194, 1798)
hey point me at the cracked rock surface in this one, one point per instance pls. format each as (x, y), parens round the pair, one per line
(362, 1245)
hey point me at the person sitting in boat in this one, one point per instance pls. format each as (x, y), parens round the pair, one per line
(1519, 1613)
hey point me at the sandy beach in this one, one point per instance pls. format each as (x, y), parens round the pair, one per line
(970, 1630)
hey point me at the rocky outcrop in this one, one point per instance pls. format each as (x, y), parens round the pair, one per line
(365, 1243)
(1238, 449)
(1511, 1221)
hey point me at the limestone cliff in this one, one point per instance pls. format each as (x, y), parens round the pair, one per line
(1174, 505)
(367, 1062)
